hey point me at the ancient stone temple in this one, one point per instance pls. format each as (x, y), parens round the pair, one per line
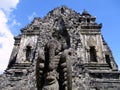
(64, 50)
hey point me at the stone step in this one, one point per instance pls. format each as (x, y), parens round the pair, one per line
(96, 66)
(21, 66)
(105, 74)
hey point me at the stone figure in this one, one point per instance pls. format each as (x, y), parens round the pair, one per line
(54, 74)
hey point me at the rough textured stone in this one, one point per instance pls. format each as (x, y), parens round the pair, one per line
(62, 51)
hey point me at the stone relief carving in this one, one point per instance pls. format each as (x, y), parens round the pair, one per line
(54, 73)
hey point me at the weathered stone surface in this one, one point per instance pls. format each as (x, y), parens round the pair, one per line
(62, 51)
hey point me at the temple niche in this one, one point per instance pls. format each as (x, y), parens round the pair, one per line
(65, 50)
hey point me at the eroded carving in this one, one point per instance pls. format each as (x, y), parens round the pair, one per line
(54, 70)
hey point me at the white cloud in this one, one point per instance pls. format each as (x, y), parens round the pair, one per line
(32, 16)
(6, 37)
(14, 23)
(8, 5)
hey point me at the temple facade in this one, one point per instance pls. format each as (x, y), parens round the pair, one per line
(65, 50)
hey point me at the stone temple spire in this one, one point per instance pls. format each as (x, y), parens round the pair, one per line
(65, 50)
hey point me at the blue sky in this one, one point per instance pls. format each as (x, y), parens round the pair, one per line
(15, 14)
